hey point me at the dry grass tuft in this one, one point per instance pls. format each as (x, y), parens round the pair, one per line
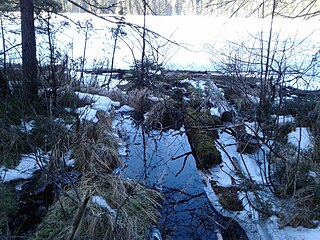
(95, 150)
(164, 115)
(133, 208)
(299, 213)
(138, 99)
(297, 183)
(118, 96)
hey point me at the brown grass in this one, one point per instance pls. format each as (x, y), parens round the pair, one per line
(299, 192)
(135, 206)
(95, 150)
(138, 99)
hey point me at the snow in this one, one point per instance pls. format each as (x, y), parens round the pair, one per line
(256, 226)
(253, 129)
(301, 138)
(155, 99)
(184, 43)
(124, 108)
(214, 111)
(197, 84)
(270, 229)
(70, 163)
(282, 120)
(87, 114)
(99, 102)
(253, 166)
(217, 99)
(252, 162)
(29, 163)
(25, 127)
(122, 150)
(102, 103)
(101, 202)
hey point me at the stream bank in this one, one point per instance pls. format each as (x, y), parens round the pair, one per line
(164, 160)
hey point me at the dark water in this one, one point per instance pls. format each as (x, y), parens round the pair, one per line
(162, 160)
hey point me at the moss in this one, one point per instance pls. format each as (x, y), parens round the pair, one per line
(201, 120)
(58, 221)
(206, 150)
(202, 135)
(8, 206)
(228, 197)
(135, 204)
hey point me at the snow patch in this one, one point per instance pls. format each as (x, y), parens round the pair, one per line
(301, 138)
(87, 114)
(155, 99)
(102, 103)
(29, 163)
(253, 129)
(70, 163)
(25, 127)
(124, 109)
(99, 201)
(99, 102)
(197, 84)
(248, 164)
(214, 111)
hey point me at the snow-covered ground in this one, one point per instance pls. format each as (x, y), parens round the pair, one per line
(29, 163)
(254, 167)
(89, 112)
(301, 138)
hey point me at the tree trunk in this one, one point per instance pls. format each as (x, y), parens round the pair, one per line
(4, 86)
(29, 57)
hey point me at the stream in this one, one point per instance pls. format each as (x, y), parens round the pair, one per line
(163, 160)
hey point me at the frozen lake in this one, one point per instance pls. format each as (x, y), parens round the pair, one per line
(183, 42)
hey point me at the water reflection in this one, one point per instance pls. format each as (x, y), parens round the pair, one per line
(163, 160)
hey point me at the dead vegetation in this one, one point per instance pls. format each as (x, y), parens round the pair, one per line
(130, 214)
(126, 209)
